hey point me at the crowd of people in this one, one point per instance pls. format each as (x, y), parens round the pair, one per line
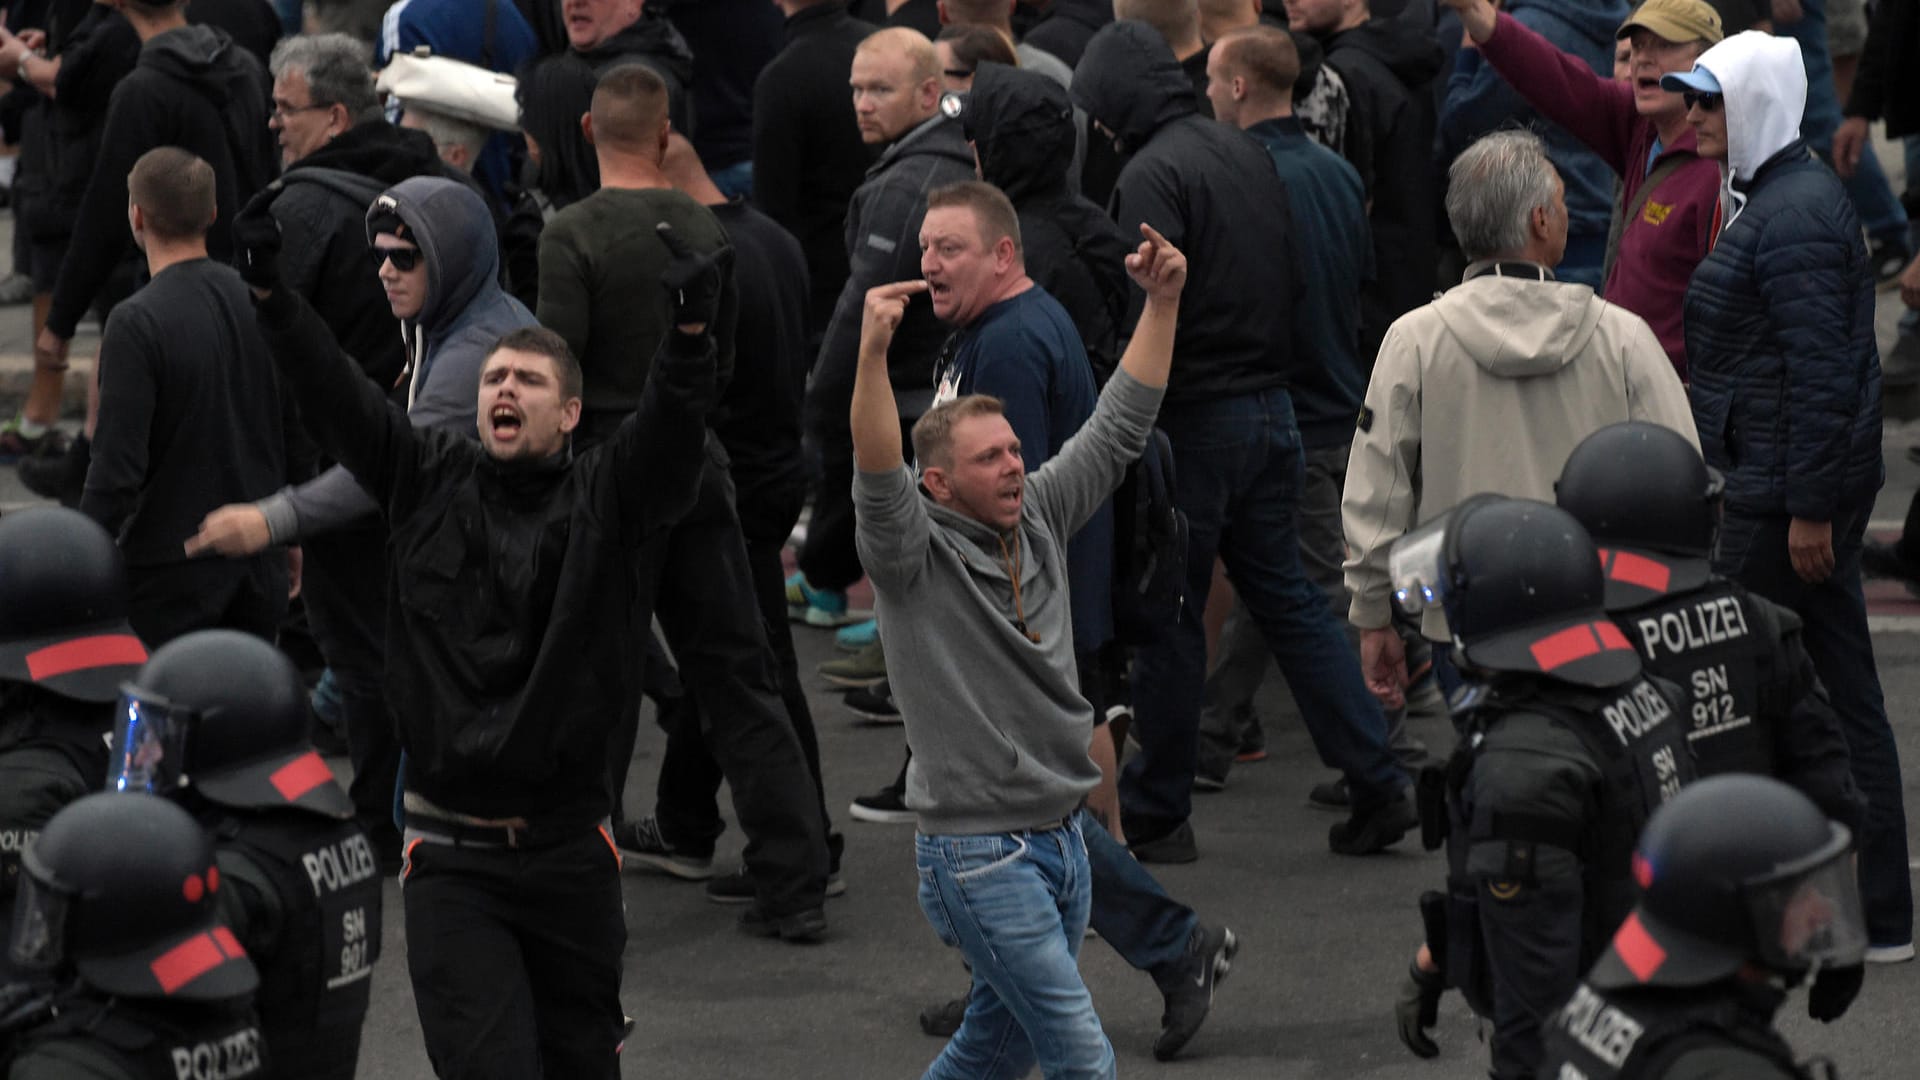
(468, 368)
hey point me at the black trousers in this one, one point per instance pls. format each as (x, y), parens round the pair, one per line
(346, 593)
(167, 601)
(514, 955)
(687, 805)
(703, 596)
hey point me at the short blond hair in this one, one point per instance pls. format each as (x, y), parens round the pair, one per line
(922, 61)
(933, 432)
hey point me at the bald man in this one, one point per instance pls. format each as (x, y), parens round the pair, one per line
(896, 87)
(600, 266)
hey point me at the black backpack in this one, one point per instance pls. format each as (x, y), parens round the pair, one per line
(1150, 549)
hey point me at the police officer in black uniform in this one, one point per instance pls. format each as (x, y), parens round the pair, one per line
(1652, 506)
(217, 721)
(65, 647)
(1729, 918)
(120, 967)
(1565, 750)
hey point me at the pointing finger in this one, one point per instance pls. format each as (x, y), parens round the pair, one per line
(1153, 235)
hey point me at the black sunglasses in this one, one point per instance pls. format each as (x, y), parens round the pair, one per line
(404, 258)
(1707, 102)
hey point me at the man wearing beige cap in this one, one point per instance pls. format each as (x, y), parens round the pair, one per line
(1665, 220)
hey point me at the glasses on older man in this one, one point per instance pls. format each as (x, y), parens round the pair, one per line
(1707, 102)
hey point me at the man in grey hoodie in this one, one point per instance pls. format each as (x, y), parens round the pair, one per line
(971, 584)
(439, 265)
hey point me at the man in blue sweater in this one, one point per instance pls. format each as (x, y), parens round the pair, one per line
(970, 581)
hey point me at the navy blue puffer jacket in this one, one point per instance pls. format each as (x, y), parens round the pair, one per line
(1780, 342)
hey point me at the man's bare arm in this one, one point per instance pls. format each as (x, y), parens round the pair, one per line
(874, 417)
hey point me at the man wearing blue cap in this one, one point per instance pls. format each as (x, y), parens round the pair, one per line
(1786, 395)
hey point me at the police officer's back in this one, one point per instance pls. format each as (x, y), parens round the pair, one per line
(65, 647)
(228, 715)
(118, 967)
(1565, 750)
(1729, 917)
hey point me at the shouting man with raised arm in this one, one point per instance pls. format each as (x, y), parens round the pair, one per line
(971, 581)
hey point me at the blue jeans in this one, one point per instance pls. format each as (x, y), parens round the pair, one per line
(1239, 474)
(735, 181)
(1148, 928)
(1015, 905)
(1753, 551)
(1873, 199)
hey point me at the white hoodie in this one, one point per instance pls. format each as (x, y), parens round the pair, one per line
(1763, 80)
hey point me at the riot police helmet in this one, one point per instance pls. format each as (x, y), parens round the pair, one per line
(1652, 506)
(1737, 870)
(63, 606)
(225, 714)
(122, 891)
(1520, 583)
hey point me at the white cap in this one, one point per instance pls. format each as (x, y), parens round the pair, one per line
(459, 90)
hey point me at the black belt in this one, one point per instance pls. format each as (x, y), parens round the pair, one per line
(466, 834)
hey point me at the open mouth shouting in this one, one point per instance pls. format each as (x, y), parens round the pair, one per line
(505, 421)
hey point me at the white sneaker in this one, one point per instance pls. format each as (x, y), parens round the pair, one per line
(1889, 954)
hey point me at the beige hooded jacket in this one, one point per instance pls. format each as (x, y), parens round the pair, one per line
(1489, 388)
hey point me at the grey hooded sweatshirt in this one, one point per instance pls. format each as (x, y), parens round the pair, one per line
(465, 313)
(996, 720)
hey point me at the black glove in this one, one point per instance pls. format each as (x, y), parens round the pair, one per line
(1418, 1008)
(693, 281)
(1833, 990)
(256, 241)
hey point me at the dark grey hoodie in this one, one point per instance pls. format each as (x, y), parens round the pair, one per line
(447, 342)
(195, 89)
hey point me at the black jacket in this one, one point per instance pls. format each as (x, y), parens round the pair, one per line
(60, 138)
(1389, 67)
(758, 417)
(1021, 125)
(193, 88)
(654, 42)
(51, 753)
(733, 40)
(1212, 191)
(1887, 86)
(808, 158)
(883, 245)
(1068, 27)
(324, 239)
(510, 613)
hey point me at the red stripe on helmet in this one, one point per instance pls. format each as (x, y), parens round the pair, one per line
(1637, 950)
(186, 962)
(84, 654)
(1610, 636)
(229, 944)
(1560, 649)
(301, 775)
(1639, 570)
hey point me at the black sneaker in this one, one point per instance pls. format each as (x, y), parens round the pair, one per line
(1885, 561)
(800, 927)
(942, 1020)
(59, 476)
(1208, 783)
(1173, 847)
(888, 806)
(1889, 258)
(1188, 990)
(1375, 828)
(640, 841)
(874, 705)
(1331, 795)
(737, 887)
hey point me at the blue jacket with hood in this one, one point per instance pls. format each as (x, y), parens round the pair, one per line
(1479, 101)
(465, 312)
(1779, 316)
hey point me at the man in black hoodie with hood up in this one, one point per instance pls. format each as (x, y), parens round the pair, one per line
(1389, 66)
(195, 89)
(1230, 420)
(1067, 27)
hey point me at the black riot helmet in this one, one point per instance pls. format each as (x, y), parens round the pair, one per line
(63, 606)
(122, 890)
(1651, 505)
(224, 713)
(1521, 586)
(1737, 869)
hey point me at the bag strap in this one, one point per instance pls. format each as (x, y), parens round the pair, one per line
(1667, 167)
